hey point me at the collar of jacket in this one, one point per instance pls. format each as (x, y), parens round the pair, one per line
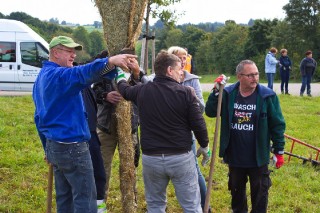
(189, 76)
(161, 78)
(262, 90)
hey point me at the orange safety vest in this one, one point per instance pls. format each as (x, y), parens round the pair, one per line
(188, 63)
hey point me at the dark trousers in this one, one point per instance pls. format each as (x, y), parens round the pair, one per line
(259, 184)
(285, 74)
(97, 163)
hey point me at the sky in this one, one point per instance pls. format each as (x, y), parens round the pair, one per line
(195, 11)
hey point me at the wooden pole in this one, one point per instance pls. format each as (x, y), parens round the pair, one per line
(214, 148)
(49, 190)
(153, 50)
(143, 46)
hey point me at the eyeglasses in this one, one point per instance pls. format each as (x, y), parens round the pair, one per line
(69, 51)
(253, 75)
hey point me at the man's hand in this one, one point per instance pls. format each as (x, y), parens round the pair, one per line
(113, 97)
(122, 60)
(206, 154)
(278, 160)
(221, 80)
(134, 68)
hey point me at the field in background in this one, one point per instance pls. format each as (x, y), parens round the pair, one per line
(23, 172)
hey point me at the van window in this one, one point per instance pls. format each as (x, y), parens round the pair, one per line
(33, 53)
(7, 51)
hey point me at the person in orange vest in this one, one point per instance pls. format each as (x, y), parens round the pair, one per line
(189, 67)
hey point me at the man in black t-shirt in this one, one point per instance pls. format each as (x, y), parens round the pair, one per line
(250, 117)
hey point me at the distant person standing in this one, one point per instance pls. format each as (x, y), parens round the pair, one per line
(285, 68)
(271, 66)
(307, 68)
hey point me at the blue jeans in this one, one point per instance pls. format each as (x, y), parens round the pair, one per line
(181, 170)
(73, 176)
(306, 82)
(270, 77)
(201, 180)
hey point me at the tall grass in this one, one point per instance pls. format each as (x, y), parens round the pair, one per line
(23, 172)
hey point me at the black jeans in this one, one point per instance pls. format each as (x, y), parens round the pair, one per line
(260, 183)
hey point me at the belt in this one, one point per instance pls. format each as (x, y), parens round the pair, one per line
(61, 142)
(166, 154)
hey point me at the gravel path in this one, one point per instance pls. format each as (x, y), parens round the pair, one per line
(294, 88)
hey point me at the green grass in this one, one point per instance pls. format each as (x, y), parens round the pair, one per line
(23, 172)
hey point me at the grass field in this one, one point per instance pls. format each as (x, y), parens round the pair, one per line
(23, 172)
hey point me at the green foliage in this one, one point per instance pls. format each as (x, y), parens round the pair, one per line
(23, 172)
(174, 38)
(45, 29)
(97, 42)
(303, 16)
(259, 37)
(191, 39)
(228, 47)
(160, 9)
(215, 47)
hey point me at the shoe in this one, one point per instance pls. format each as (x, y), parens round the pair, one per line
(309, 95)
(282, 92)
(301, 94)
(287, 93)
(102, 207)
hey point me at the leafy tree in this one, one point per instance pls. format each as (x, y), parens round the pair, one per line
(191, 39)
(251, 22)
(97, 42)
(97, 24)
(81, 35)
(259, 38)
(204, 60)
(54, 20)
(303, 16)
(228, 47)
(174, 38)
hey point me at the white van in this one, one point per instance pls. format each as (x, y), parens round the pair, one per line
(21, 54)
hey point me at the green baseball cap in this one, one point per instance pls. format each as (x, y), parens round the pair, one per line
(65, 41)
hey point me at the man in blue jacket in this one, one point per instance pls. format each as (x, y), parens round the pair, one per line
(250, 117)
(61, 120)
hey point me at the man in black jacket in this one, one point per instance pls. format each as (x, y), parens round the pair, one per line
(168, 111)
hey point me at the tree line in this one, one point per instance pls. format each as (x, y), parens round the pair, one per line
(216, 47)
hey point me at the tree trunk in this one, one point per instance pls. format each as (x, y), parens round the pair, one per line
(122, 22)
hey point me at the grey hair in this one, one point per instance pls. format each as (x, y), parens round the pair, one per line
(240, 66)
